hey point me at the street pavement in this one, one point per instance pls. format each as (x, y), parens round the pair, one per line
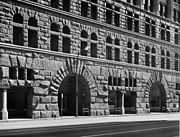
(115, 129)
(145, 125)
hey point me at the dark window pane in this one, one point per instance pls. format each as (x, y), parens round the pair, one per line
(117, 54)
(83, 48)
(66, 45)
(93, 50)
(12, 73)
(32, 38)
(18, 36)
(54, 42)
(66, 5)
(55, 3)
(84, 9)
(108, 52)
(21, 73)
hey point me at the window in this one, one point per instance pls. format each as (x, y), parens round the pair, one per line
(109, 48)
(116, 16)
(110, 80)
(168, 35)
(136, 23)
(168, 60)
(18, 36)
(30, 74)
(84, 44)
(108, 13)
(32, 33)
(129, 20)
(176, 41)
(147, 56)
(93, 45)
(54, 37)
(153, 28)
(66, 41)
(151, 7)
(161, 9)
(13, 73)
(146, 4)
(21, 73)
(147, 27)
(117, 54)
(84, 8)
(93, 9)
(153, 57)
(66, 5)
(176, 64)
(129, 52)
(55, 3)
(162, 59)
(162, 32)
(136, 54)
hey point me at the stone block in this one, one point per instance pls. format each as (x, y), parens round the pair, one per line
(21, 82)
(93, 112)
(54, 99)
(106, 100)
(4, 84)
(46, 114)
(53, 107)
(44, 84)
(40, 107)
(36, 114)
(46, 99)
(39, 77)
(28, 62)
(99, 100)
(40, 91)
(35, 99)
(21, 61)
(4, 60)
(4, 72)
(13, 83)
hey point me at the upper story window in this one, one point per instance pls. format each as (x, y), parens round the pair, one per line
(165, 33)
(162, 32)
(136, 53)
(162, 59)
(84, 43)
(94, 9)
(117, 50)
(150, 27)
(176, 37)
(168, 62)
(94, 45)
(109, 48)
(176, 61)
(84, 8)
(147, 56)
(108, 13)
(129, 20)
(116, 16)
(32, 32)
(54, 38)
(66, 40)
(55, 3)
(129, 52)
(153, 57)
(18, 33)
(163, 10)
(66, 5)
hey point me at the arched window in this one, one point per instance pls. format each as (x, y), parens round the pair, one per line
(129, 52)
(54, 41)
(84, 43)
(136, 53)
(147, 56)
(153, 57)
(66, 5)
(18, 34)
(55, 3)
(117, 50)
(32, 33)
(176, 63)
(109, 48)
(168, 64)
(162, 59)
(66, 42)
(94, 45)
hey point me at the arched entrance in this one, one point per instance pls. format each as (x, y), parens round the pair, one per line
(67, 100)
(157, 98)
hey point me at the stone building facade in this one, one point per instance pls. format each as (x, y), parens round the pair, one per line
(88, 57)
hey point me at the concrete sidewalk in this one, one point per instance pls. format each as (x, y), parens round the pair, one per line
(63, 121)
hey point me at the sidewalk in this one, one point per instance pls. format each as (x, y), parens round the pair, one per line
(62, 121)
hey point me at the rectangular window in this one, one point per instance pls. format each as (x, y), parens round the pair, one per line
(84, 9)
(108, 52)
(117, 54)
(153, 61)
(66, 44)
(83, 48)
(136, 23)
(147, 27)
(18, 36)
(129, 52)
(32, 38)
(168, 35)
(176, 37)
(94, 50)
(163, 63)
(21, 73)
(153, 28)
(30, 74)
(13, 73)
(136, 57)
(129, 20)
(54, 42)
(162, 32)
(168, 63)
(147, 62)
(108, 13)
(116, 17)
(93, 11)
(66, 5)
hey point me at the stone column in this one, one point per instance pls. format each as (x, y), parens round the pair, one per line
(122, 104)
(4, 112)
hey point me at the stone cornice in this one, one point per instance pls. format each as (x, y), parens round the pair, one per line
(85, 58)
(99, 23)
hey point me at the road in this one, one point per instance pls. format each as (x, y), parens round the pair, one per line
(119, 129)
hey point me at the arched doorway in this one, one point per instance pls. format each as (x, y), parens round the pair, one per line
(67, 100)
(157, 98)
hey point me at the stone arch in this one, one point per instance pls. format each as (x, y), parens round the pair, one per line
(73, 66)
(160, 78)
